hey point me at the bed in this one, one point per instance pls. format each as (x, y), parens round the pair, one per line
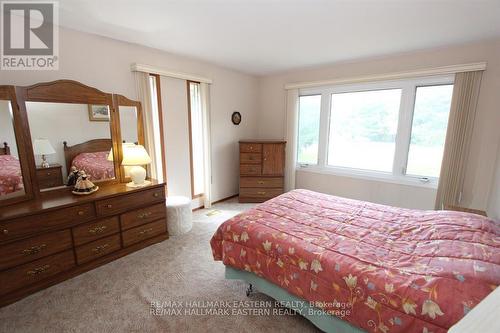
(398, 270)
(11, 179)
(91, 157)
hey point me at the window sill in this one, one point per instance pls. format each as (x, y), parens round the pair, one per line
(370, 175)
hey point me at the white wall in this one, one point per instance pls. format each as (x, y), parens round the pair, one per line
(7, 128)
(484, 145)
(105, 64)
(73, 126)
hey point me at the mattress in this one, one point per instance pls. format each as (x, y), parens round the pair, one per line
(399, 270)
(95, 165)
(11, 179)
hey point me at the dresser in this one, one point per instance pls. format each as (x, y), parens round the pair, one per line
(60, 235)
(49, 177)
(262, 167)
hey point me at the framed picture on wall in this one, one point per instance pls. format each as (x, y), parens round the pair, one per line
(98, 113)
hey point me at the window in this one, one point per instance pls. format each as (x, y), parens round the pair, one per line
(309, 113)
(158, 146)
(196, 138)
(393, 130)
(430, 120)
(363, 128)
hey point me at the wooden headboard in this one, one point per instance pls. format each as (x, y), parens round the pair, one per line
(5, 150)
(91, 146)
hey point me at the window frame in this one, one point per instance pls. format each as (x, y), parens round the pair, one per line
(188, 85)
(403, 135)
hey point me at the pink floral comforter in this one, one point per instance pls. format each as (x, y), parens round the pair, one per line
(95, 165)
(397, 270)
(11, 178)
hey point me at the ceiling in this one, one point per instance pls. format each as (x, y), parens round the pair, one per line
(265, 36)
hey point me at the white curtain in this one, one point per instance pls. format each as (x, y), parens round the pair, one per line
(458, 137)
(292, 115)
(207, 149)
(151, 129)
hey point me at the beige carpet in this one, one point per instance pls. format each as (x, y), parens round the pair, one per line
(117, 297)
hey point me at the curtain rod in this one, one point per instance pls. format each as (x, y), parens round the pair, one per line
(444, 70)
(135, 67)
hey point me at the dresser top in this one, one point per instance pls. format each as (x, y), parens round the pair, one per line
(262, 141)
(60, 199)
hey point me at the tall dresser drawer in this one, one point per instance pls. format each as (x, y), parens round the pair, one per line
(95, 230)
(99, 248)
(264, 193)
(36, 223)
(250, 158)
(127, 202)
(250, 148)
(250, 170)
(35, 271)
(261, 182)
(24, 251)
(143, 216)
(145, 231)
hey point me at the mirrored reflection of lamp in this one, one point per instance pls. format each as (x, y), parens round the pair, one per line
(43, 147)
(136, 156)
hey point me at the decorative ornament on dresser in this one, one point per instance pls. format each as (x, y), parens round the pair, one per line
(84, 186)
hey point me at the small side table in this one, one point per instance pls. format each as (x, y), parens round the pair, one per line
(466, 210)
(179, 215)
(49, 177)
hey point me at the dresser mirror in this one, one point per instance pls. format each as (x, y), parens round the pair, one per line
(11, 176)
(82, 140)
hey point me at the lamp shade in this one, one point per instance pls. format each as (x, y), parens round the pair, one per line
(43, 147)
(135, 155)
(110, 154)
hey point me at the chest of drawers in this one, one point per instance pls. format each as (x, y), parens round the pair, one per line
(262, 165)
(52, 239)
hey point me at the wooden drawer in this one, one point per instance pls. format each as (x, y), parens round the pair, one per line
(127, 202)
(250, 170)
(50, 177)
(24, 251)
(250, 158)
(264, 193)
(99, 248)
(36, 223)
(143, 216)
(250, 148)
(95, 230)
(35, 271)
(276, 182)
(145, 231)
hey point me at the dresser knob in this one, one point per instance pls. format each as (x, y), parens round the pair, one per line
(109, 205)
(251, 148)
(81, 212)
(48, 173)
(156, 195)
(5, 231)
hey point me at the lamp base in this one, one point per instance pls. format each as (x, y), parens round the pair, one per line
(134, 185)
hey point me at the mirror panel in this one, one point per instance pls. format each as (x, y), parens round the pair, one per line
(129, 124)
(11, 177)
(81, 139)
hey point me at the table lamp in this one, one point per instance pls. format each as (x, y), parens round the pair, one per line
(136, 156)
(43, 147)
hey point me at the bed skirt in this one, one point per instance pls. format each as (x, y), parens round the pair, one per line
(320, 319)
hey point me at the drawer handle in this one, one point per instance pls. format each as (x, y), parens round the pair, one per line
(97, 230)
(144, 215)
(100, 248)
(251, 148)
(48, 173)
(261, 182)
(81, 213)
(261, 192)
(109, 206)
(5, 231)
(156, 195)
(38, 270)
(145, 231)
(34, 249)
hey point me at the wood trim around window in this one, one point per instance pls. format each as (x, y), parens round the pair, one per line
(193, 195)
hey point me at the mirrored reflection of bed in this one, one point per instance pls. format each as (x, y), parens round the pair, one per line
(82, 139)
(11, 179)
